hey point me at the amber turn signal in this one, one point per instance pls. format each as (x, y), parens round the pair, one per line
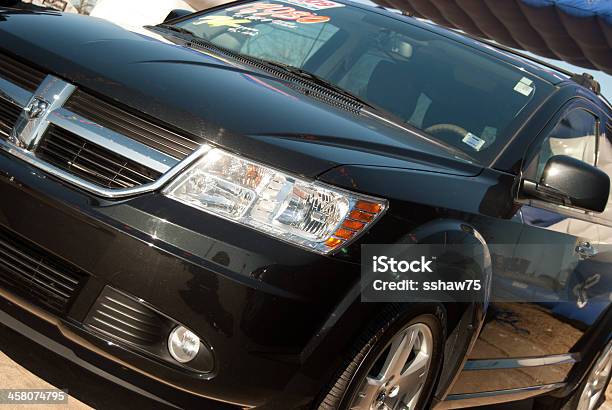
(370, 207)
(361, 215)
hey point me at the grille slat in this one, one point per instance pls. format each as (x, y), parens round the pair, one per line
(9, 114)
(23, 265)
(35, 273)
(123, 318)
(92, 162)
(20, 73)
(179, 147)
(91, 172)
(106, 166)
(127, 315)
(118, 120)
(126, 323)
(135, 174)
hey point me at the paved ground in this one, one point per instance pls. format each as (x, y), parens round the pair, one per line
(14, 376)
(39, 368)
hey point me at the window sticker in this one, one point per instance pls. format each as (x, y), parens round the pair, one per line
(221, 21)
(285, 24)
(269, 12)
(314, 4)
(473, 141)
(247, 31)
(524, 86)
(234, 25)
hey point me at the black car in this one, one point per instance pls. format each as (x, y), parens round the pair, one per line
(184, 207)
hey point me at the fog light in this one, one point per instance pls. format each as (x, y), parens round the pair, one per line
(183, 344)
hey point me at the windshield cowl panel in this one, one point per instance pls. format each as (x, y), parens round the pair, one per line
(460, 96)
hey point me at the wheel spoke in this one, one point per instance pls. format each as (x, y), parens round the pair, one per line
(398, 354)
(418, 366)
(397, 383)
(368, 392)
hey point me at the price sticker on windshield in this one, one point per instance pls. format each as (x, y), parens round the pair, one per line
(524, 86)
(270, 12)
(473, 141)
(314, 4)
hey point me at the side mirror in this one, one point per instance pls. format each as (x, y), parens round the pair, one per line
(571, 182)
(177, 13)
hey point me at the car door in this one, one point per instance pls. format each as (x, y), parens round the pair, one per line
(556, 240)
(535, 311)
(593, 289)
(580, 241)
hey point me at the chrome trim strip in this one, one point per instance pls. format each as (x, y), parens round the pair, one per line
(30, 158)
(28, 131)
(13, 93)
(113, 141)
(515, 363)
(459, 401)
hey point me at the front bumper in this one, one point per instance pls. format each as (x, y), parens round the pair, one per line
(258, 302)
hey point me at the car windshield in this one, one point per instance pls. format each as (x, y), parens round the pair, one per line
(454, 92)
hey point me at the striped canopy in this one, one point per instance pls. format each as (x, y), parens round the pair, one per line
(576, 31)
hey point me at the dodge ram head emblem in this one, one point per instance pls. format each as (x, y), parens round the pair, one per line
(36, 108)
(32, 123)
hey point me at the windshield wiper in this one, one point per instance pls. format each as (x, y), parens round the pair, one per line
(175, 29)
(319, 81)
(285, 67)
(374, 111)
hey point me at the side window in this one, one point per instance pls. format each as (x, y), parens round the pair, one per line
(574, 136)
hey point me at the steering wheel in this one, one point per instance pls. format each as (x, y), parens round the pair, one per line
(447, 127)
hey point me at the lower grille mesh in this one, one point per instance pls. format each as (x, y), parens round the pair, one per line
(35, 273)
(9, 113)
(92, 162)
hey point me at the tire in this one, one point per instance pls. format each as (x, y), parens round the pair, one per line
(395, 323)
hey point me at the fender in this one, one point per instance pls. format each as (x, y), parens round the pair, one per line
(470, 318)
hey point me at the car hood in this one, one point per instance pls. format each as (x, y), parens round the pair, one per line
(215, 99)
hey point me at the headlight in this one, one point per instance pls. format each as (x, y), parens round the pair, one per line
(308, 214)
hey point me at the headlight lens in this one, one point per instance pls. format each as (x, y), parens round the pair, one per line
(311, 215)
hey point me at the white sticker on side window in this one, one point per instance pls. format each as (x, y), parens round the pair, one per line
(473, 141)
(524, 86)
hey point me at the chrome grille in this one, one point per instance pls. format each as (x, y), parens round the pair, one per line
(19, 73)
(36, 274)
(130, 125)
(91, 162)
(9, 113)
(83, 140)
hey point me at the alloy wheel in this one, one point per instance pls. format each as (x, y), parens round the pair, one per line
(397, 378)
(596, 381)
